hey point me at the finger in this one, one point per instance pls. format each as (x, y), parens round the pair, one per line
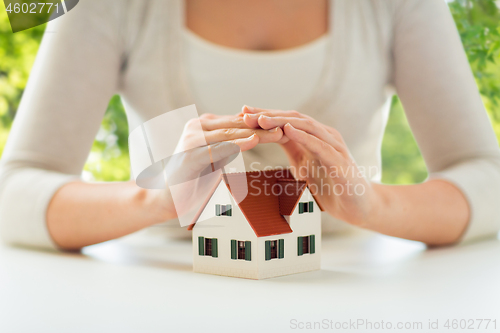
(322, 150)
(272, 112)
(284, 139)
(265, 136)
(293, 150)
(212, 122)
(247, 143)
(310, 126)
(251, 109)
(336, 134)
(251, 120)
(221, 150)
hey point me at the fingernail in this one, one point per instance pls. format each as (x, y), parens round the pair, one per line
(273, 130)
(249, 108)
(251, 115)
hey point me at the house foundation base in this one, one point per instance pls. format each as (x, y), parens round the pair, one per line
(256, 275)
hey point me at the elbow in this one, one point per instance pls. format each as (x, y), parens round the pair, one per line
(7, 228)
(23, 197)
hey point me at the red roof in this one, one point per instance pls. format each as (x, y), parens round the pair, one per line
(292, 190)
(271, 194)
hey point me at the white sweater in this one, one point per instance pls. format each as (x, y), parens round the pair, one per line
(134, 48)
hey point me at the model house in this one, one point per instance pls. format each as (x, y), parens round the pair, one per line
(275, 230)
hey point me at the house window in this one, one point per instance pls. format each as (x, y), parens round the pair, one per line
(223, 210)
(306, 244)
(241, 250)
(306, 207)
(207, 247)
(275, 249)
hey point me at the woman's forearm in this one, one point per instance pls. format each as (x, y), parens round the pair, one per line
(434, 212)
(82, 214)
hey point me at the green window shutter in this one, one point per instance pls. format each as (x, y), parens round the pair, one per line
(248, 250)
(312, 244)
(281, 248)
(229, 210)
(215, 254)
(301, 207)
(299, 246)
(233, 249)
(201, 246)
(268, 250)
(310, 206)
(217, 210)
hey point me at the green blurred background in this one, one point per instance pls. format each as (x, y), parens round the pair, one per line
(478, 22)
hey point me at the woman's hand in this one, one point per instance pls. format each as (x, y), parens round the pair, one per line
(191, 168)
(209, 142)
(82, 214)
(231, 128)
(319, 155)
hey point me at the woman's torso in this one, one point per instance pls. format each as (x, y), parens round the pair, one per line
(351, 88)
(259, 24)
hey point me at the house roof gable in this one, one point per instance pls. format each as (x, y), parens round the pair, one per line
(271, 195)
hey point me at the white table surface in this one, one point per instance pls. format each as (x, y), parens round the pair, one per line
(145, 284)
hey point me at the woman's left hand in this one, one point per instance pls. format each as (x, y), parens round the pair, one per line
(319, 155)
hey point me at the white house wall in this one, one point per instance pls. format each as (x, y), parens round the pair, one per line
(302, 225)
(224, 228)
(306, 223)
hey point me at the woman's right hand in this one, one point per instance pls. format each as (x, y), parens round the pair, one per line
(185, 171)
(231, 128)
(209, 140)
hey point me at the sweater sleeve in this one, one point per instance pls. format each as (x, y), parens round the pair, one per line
(444, 109)
(75, 73)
